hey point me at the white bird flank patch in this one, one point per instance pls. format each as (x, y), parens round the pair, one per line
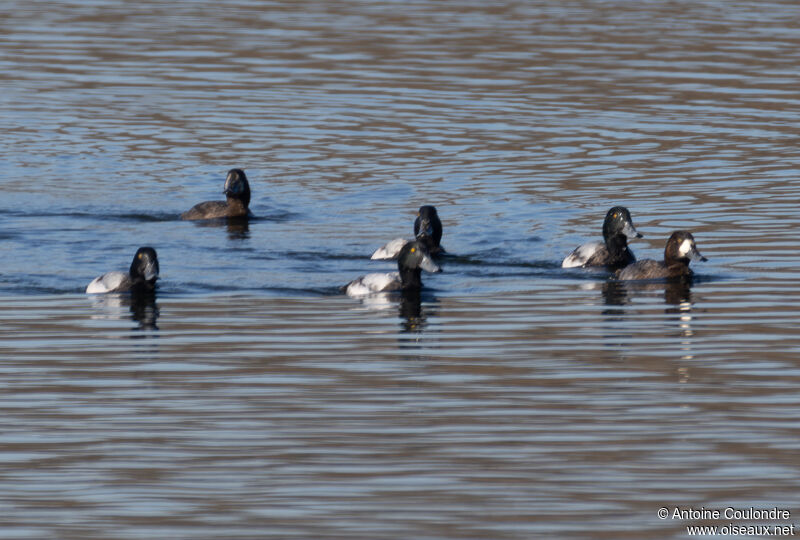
(106, 283)
(581, 255)
(373, 283)
(391, 250)
(685, 247)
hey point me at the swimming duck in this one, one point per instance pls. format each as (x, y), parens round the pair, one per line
(412, 259)
(141, 277)
(679, 251)
(613, 252)
(427, 229)
(236, 205)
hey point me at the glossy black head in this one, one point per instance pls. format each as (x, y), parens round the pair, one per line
(415, 255)
(618, 221)
(428, 225)
(145, 266)
(414, 258)
(681, 248)
(237, 187)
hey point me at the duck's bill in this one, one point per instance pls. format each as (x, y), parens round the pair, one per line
(696, 256)
(425, 229)
(150, 272)
(428, 265)
(630, 231)
(232, 187)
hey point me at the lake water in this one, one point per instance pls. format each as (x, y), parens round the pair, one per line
(516, 399)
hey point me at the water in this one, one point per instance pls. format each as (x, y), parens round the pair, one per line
(516, 399)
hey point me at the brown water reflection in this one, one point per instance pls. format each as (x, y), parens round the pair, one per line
(513, 399)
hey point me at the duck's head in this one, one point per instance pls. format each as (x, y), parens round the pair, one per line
(415, 255)
(237, 187)
(618, 221)
(681, 247)
(145, 265)
(428, 225)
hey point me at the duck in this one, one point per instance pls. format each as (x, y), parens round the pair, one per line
(236, 204)
(680, 250)
(412, 259)
(427, 229)
(613, 252)
(141, 277)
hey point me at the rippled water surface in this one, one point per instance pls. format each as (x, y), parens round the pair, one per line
(513, 399)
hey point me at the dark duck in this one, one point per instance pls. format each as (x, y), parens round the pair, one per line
(678, 253)
(235, 205)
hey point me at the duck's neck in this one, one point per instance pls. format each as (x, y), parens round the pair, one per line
(411, 278)
(618, 248)
(237, 207)
(429, 242)
(677, 266)
(437, 234)
(142, 286)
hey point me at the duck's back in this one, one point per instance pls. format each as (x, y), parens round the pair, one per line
(645, 269)
(391, 250)
(207, 210)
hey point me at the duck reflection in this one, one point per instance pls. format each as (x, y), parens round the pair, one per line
(238, 228)
(413, 317)
(141, 308)
(413, 307)
(677, 297)
(144, 310)
(619, 293)
(614, 294)
(678, 293)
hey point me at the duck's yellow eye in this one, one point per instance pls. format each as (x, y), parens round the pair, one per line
(413, 250)
(615, 216)
(140, 255)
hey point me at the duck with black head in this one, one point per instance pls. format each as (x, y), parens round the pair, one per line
(427, 229)
(678, 253)
(613, 251)
(140, 278)
(413, 258)
(235, 205)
